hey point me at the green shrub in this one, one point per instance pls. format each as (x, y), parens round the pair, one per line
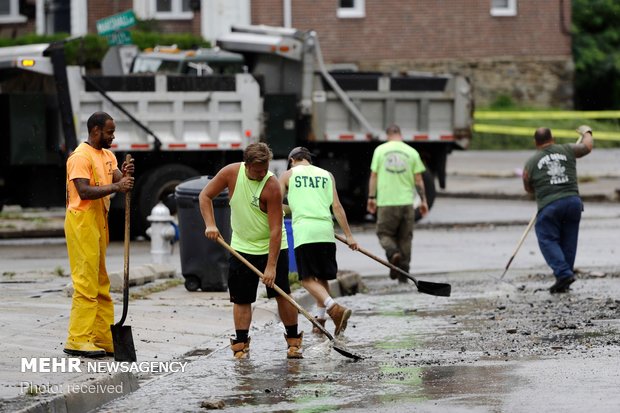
(89, 50)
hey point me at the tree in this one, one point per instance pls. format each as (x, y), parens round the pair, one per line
(596, 51)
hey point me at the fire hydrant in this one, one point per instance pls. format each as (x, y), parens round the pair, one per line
(162, 233)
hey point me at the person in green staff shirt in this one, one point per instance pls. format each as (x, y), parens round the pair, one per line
(395, 176)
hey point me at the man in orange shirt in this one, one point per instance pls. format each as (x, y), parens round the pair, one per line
(92, 175)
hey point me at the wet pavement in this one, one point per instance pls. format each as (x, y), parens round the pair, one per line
(493, 346)
(488, 348)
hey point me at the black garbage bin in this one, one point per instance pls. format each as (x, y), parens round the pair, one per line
(204, 263)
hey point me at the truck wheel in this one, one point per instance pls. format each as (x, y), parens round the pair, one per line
(155, 186)
(192, 283)
(429, 188)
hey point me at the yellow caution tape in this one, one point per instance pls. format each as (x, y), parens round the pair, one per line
(549, 114)
(529, 132)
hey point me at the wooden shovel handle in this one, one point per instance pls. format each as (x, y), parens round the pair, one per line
(288, 298)
(126, 251)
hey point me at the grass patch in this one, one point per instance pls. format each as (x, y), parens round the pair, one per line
(145, 292)
(586, 179)
(294, 281)
(60, 271)
(10, 215)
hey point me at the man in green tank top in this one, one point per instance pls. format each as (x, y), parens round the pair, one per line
(311, 193)
(395, 175)
(551, 175)
(257, 234)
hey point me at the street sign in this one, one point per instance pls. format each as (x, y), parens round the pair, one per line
(118, 38)
(116, 22)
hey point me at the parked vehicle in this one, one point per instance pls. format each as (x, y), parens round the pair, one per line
(199, 62)
(177, 126)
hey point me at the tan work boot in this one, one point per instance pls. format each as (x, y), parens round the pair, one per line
(240, 350)
(315, 329)
(340, 315)
(294, 347)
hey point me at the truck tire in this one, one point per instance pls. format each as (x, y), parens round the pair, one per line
(154, 186)
(429, 188)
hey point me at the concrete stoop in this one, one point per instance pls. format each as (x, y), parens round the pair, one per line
(137, 276)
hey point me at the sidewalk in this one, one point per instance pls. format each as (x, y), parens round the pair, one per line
(170, 326)
(497, 175)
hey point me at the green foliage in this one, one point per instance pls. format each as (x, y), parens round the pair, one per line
(502, 102)
(89, 50)
(596, 51)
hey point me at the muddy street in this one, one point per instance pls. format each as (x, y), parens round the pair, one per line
(490, 347)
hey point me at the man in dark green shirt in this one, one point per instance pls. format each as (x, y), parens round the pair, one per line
(551, 175)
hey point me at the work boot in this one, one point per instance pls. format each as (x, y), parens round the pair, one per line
(395, 260)
(340, 315)
(562, 285)
(108, 348)
(294, 347)
(241, 350)
(315, 329)
(88, 350)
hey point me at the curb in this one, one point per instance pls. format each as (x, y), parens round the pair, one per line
(87, 401)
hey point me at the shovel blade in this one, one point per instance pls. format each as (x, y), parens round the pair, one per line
(438, 289)
(347, 353)
(124, 349)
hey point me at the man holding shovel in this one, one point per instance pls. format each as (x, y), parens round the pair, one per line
(311, 194)
(92, 175)
(551, 175)
(258, 234)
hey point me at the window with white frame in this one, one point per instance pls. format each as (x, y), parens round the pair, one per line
(350, 9)
(172, 9)
(503, 7)
(9, 12)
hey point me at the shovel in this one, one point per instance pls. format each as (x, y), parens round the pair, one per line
(288, 298)
(527, 230)
(124, 349)
(426, 287)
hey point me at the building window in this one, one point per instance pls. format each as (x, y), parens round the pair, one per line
(503, 7)
(351, 9)
(9, 12)
(172, 9)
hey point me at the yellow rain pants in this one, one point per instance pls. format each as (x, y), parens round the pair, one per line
(92, 310)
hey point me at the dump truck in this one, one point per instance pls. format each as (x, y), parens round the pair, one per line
(178, 126)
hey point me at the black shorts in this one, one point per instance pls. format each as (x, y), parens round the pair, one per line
(243, 282)
(317, 259)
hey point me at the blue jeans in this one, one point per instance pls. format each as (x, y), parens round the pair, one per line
(557, 230)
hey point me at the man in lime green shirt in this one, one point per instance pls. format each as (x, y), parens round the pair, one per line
(311, 194)
(395, 175)
(257, 234)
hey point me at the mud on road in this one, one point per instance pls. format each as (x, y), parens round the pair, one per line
(493, 320)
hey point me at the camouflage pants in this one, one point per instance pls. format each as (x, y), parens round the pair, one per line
(395, 231)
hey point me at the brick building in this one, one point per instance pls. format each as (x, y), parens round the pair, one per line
(515, 48)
